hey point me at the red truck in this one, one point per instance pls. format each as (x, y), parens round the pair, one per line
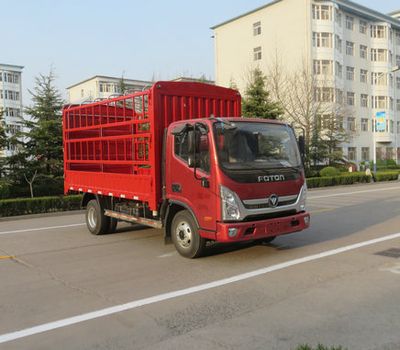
(179, 157)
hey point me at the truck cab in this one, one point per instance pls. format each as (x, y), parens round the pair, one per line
(235, 178)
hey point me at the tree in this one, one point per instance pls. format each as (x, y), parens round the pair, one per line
(3, 136)
(39, 141)
(122, 85)
(312, 106)
(257, 101)
(44, 136)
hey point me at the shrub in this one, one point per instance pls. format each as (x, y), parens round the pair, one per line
(329, 171)
(23, 206)
(319, 347)
(386, 176)
(4, 189)
(338, 180)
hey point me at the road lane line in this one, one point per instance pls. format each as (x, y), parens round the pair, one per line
(40, 228)
(183, 292)
(355, 192)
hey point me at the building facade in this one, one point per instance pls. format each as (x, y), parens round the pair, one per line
(10, 100)
(354, 49)
(101, 87)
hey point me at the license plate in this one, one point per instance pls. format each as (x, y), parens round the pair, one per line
(275, 227)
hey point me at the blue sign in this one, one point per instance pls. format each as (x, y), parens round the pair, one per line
(380, 121)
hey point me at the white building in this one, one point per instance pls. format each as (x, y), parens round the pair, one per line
(357, 47)
(100, 87)
(10, 99)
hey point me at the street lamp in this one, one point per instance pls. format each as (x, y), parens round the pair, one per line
(394, 70)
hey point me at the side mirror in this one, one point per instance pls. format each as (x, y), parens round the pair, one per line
(302, 145)
(193, 141)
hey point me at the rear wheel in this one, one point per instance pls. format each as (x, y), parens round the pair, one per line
(185, 235)
(96, 221)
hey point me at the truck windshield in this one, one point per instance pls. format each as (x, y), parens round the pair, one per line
(258, 146)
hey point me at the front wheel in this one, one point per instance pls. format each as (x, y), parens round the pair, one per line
(185, 235)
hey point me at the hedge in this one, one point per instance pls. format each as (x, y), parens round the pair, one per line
(314, 182)
(24, 206)
(387, 176)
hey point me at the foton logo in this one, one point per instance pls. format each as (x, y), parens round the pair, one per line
(271, 178)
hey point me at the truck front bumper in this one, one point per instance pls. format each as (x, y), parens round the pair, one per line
(243, 231)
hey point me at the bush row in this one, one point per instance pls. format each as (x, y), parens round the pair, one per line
(387, 176)
(314, 182)
(23, 206)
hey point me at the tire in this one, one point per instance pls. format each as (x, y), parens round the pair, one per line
(96, 222)
(185, 235)
(266, 240)
(113, 225)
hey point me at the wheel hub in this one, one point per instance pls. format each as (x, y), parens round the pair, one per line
(184, 234)
(92, 219)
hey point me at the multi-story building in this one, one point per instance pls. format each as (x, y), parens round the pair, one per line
(100, 87)
(355, 47)
(10, 100)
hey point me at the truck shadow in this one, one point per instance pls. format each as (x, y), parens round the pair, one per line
(327, 226)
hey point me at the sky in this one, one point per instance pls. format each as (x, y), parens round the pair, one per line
(142, 40)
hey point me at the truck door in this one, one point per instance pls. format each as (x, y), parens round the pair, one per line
(194, 187)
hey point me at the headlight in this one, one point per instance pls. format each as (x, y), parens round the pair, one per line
(303, 197)
(230, 205)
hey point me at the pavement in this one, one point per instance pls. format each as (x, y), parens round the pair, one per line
(337, 283)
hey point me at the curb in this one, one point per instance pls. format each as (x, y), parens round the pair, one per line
(42, 215)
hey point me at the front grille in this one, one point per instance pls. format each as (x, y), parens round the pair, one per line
(280, 214)
(266, 205)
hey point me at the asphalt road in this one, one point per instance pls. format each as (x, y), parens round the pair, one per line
(62, 288)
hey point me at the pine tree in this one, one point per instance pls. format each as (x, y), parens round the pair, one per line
(257, 102)
(44, 138)
(40, 148)
(3, 136)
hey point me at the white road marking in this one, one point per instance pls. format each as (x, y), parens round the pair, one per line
(355, 192)
(167, 255)
(40, 228)
(394, 269)
(187, 291)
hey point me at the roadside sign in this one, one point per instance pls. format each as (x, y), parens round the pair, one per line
(380, 119)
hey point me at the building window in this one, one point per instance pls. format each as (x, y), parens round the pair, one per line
(397, 60)
(379, 102)
(338, 43)
(380, 79)
(363, 26)
(363, 76)
(349, 22)
(398, 127)
(322, 39)
(379, 55)
(364, 124)
(351, 153)
(350, 98)
(323, 67)
(364, 100)
(365, 154)
(338, 96)
(379, 32)
(338, 70)
(322, 12)
(398, 38)
(350, 73)
(338, 17)
(398, 105)
(349, 48)
(398, 82)
(257, 28)
(391, 126)
(363, 51)
(324, 94)
(257, 54)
